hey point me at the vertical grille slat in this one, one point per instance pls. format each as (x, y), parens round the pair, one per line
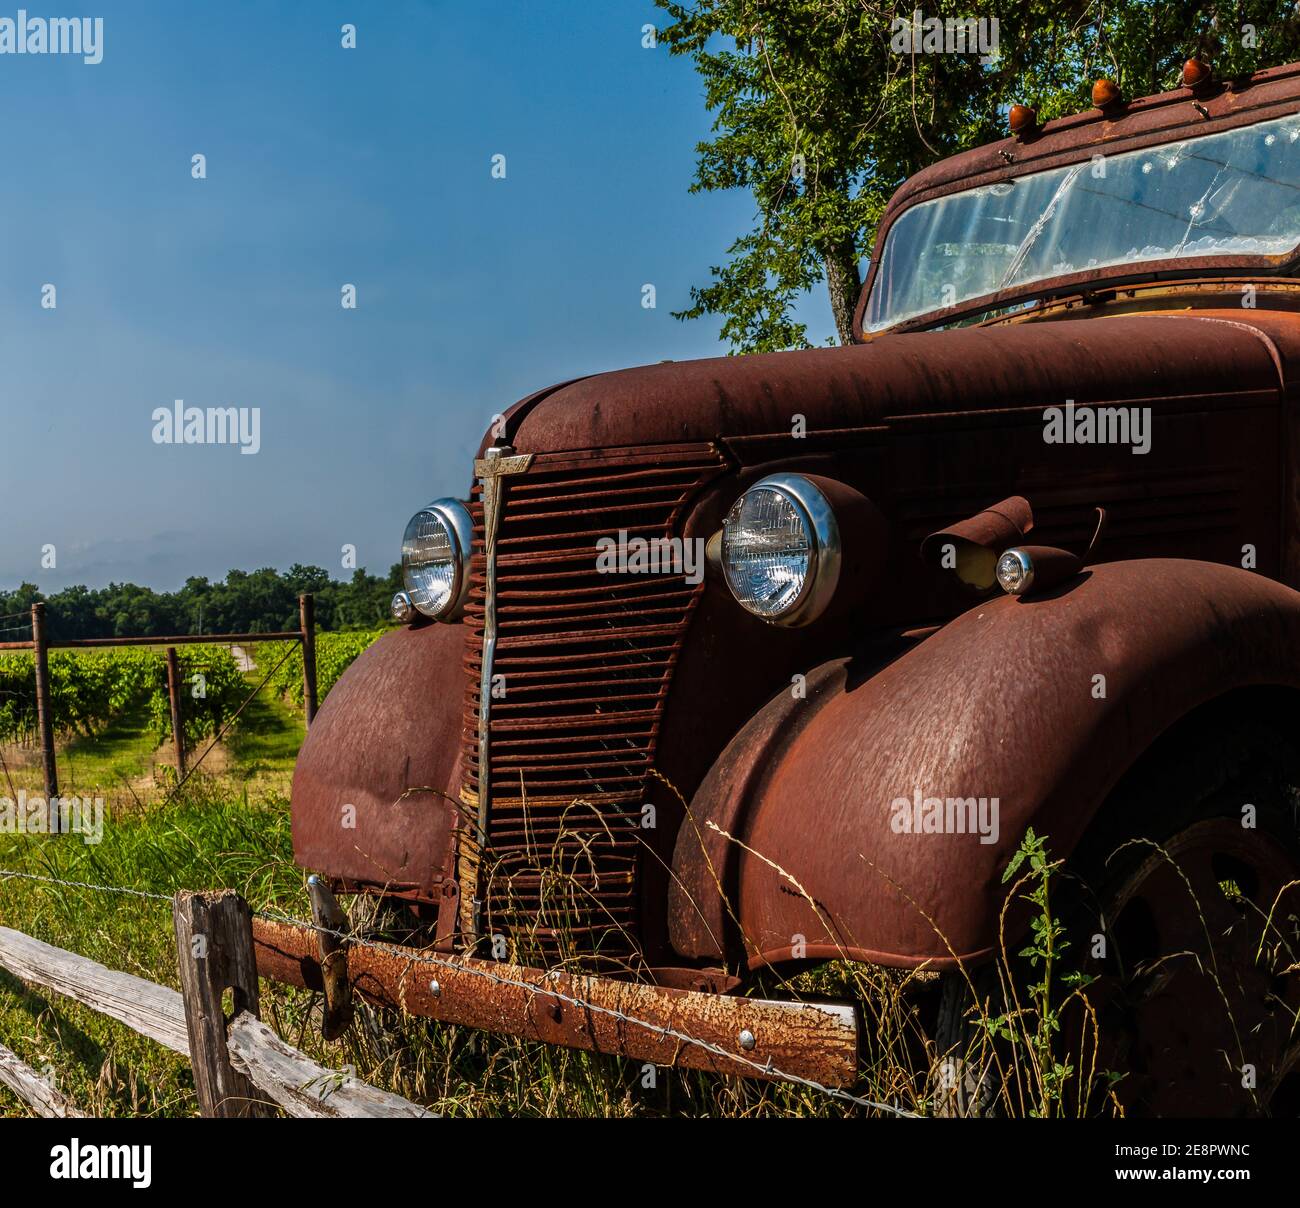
(587, 660)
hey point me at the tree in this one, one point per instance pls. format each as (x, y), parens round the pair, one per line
(820, 116)
(256, 602)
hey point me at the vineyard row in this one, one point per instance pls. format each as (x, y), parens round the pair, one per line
(89, 689)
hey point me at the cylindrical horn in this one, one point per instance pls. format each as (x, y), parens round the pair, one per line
(971, 546)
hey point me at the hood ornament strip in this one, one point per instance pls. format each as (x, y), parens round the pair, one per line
(491, 470)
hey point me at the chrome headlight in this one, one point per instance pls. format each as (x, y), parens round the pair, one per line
(435, 558)
(781, 550)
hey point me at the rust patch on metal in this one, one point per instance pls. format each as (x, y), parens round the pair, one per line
(806, 1040)
(374, 783)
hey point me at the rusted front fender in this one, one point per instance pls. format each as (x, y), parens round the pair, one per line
(377, 775)
(798, 824)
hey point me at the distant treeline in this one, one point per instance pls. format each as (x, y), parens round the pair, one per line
(260, 601)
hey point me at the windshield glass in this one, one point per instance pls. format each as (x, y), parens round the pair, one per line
(1229, 194)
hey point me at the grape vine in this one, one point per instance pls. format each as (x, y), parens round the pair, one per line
(90, 689)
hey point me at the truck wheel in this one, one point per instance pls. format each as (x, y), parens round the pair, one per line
(1184, 905)
(965, 1078)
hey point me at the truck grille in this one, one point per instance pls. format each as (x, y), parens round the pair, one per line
(586, 660)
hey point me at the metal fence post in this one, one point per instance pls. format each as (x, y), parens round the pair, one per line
(44, 707)
(174, 699)
(307, 618)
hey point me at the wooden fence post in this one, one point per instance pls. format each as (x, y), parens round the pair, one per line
(307, 618)
(44, 707)
(174, 699)
(214, 952)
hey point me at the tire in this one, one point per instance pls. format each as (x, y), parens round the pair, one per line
(965, 1078)
(1179, 910)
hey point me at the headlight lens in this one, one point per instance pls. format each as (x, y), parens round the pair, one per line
(435, 558)
(1015, 572)
(401, 608)
(781, 550)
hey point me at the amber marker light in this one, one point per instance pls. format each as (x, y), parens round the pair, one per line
(1021, 119)
(1106, 94)
(1196, 74)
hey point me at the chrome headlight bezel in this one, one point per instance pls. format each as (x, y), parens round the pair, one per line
(459, 526)
(401, 609)
(825, 551)
(1015, 571)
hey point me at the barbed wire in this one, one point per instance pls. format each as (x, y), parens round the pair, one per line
(230, 721)
(415, 956)
(6, 873)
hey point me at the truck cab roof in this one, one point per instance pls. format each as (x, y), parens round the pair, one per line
(974, 215)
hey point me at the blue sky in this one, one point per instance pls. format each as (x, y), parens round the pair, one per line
(325, 166)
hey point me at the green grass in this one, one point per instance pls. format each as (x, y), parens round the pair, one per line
(203, 841)
(264, 742)
(113, 761)
(120, 756)
(228, 827)
(126, 757)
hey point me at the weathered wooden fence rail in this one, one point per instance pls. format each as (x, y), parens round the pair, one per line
(34, 1090)
(241, 1067)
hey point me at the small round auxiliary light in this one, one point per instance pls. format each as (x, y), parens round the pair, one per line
(1196, 74)
(402, 609)
(1015, 572)
(970, 547)
(1105, 93)
(1021, 119)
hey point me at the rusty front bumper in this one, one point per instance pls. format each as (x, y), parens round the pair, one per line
(753, 1037)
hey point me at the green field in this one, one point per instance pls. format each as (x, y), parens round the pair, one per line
(125, 755)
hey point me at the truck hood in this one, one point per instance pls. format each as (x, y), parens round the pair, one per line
(898, 378)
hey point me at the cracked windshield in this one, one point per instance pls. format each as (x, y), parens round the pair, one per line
(1225, 194)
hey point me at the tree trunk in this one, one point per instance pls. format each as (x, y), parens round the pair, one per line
(844, 283)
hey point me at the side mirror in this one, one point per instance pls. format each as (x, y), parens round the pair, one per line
(971, 547)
